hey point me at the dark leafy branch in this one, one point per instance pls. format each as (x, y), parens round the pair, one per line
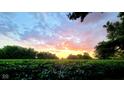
(75, 15)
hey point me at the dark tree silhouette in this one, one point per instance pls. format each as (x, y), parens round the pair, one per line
(105, 50)
(115, 45)
(72, 57)
(17, 52)
(46, 55)
(80, 56)
(75, 15)
(86, 56)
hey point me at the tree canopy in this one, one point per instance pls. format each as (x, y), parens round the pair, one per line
(80, 56)
(17, 52)
(46, 55)
(114, 46)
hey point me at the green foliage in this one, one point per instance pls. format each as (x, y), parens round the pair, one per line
(11, 52)
(105, 50)
(17, 52)
(37, 69)
(114, 46)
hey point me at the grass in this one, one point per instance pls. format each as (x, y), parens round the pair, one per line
(49, 69)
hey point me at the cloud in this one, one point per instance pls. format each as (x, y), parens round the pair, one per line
(99, 16)
(53, 31)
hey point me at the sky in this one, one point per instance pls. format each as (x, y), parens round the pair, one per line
(54, 32)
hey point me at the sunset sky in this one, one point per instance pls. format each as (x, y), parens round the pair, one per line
(54, 32)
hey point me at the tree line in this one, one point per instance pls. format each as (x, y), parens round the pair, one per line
(17, 52)
(80, 56)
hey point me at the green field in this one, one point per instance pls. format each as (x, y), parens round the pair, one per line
(38, 69)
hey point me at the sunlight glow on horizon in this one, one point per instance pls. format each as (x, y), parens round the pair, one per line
(65, 53)
(54, 32)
